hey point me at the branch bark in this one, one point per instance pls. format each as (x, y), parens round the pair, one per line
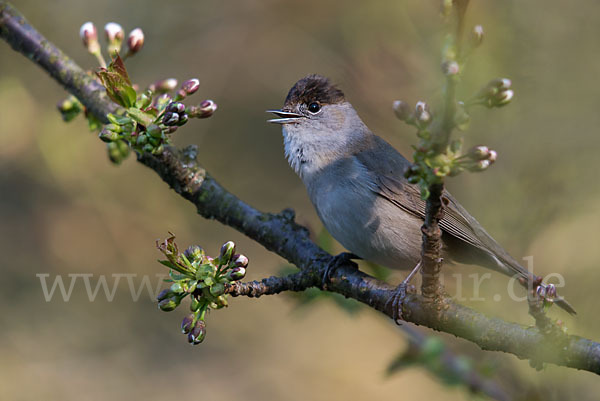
(280, 234)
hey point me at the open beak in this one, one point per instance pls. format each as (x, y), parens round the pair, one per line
(286, 117)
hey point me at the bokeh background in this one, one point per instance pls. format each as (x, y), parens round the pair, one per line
(64, 209)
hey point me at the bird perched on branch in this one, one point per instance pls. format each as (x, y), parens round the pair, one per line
(356, 182)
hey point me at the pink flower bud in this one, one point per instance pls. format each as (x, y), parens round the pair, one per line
(401, 109)
(135, 40)
(114, 31)
(114, 34)
(89, 36)
(477, 35)
(190, 86)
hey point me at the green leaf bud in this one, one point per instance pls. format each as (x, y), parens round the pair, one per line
(217, 289)
(194, 253)
(154, 131)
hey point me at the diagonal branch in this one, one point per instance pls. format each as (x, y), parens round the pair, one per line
(280, 234)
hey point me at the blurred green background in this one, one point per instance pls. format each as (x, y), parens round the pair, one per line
(64, 209)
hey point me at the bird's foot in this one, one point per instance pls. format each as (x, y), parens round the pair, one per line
(400, 293)
(396, 300)
(344, 258)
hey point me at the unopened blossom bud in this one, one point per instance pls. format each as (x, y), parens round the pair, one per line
(164, 85)
(492, 156)
(481, 165)
(450, 67)
(240, 260)
(170, 118)
(479, 152)
(153, 141)
(169, 304)
(401, 109)
(237, 273)
(188, 323)
(541, 291)
(176, 107)
(190, 86)
(89, 36)
(171, 129)
(503, 98)
(227, 251)
(69, 108)
(176, 288)
(141, 140)
(154, 131)
(204, 110)
(114, 35)
(422, 112)
(193, 253)
(502, 83)
(551, 290)
(135, 40)
(106, 135)
(197, 334)
(477, 35)
(183, 118)
(217, 289)
(164, 294)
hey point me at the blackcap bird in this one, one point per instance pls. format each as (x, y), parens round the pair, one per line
(356, 183)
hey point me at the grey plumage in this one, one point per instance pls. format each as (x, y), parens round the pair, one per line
(356, 182)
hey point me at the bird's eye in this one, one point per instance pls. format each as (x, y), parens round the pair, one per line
(314, 107)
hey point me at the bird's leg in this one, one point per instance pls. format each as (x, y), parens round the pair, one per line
(400, 294)
(344, 258)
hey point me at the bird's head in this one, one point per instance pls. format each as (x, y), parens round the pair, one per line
(319, 125)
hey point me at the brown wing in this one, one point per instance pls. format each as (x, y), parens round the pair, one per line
(388, 181)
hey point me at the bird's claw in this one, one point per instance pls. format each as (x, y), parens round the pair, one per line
(397, 299)
(344, 258)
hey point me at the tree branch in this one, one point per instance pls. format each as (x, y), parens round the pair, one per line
(280, 234)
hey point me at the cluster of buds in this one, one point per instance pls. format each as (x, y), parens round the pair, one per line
(478, 158)
(117, 151)
(151, 116)
(496, 93)
(115, 36)
(201, 277)
(430, 166)
(175, 115)
(420, 116)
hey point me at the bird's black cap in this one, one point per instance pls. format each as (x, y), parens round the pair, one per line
(314, 88)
